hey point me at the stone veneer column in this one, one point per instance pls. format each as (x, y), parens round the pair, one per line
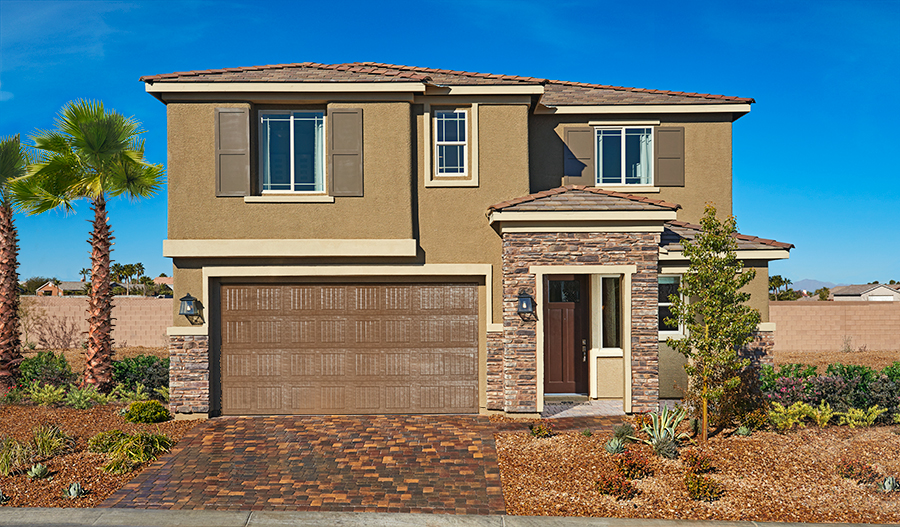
(761, 349)
(495, 370)
(522, 250)
(189, 374)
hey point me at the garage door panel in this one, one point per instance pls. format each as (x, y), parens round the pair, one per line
(350, 349)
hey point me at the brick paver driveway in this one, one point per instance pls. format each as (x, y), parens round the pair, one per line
(357, 463)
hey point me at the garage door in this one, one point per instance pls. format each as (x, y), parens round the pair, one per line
(349, 349)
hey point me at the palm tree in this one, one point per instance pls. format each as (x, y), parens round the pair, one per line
(13, 161)
(94, 154)
(84, 272)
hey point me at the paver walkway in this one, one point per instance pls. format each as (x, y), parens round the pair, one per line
(439, 464)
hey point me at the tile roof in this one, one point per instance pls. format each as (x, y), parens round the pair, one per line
(557, 93)
(857, 289)
(581, 198)
(675, 231)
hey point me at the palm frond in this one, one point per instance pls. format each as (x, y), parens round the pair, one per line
(13, 159)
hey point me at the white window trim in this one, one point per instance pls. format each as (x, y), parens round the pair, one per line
(465, 144)
(432, 180)
(262, 159)
(677, 333)
(646, 187)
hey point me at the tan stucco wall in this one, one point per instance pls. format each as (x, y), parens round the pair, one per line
(759, 288)
(196, 213)
(707, 158)
(503, 174)
(672, 377)
(188, 279)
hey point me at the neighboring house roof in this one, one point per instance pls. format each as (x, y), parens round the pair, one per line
(65, 286)
(676, 231)
(556, 93)
(164, 280)
(581, 198)
(857, 289)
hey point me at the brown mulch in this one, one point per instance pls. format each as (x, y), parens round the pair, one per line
(821, 359)
(75, 356)
(82, 466)
(767, 477)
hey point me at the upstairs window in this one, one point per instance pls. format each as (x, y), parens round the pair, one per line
(292, 151)
(624, 156)
(450, 142)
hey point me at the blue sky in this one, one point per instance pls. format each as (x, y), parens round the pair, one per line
(814, 164)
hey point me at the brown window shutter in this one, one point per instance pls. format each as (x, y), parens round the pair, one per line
(232, 151)
(345, 167)
(579, 156)
(669, 148)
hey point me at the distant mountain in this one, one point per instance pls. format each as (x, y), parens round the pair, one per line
(808, 284)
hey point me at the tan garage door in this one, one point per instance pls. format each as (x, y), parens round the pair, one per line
(349, 349)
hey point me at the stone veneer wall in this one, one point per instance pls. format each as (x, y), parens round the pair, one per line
(521, 250)
(495, 370)
(761, 349)
(189, 374)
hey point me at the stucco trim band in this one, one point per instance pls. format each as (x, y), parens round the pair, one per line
(286, 248)
(290, 87)
(644, 108)
(759, 254)
(601, 215)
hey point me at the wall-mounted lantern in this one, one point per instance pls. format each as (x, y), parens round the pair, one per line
(190, 308)
(525, 305)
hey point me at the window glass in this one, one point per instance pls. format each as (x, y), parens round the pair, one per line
(565, 291)
(638, 156)
(275, 141)
(625, 156)
(609, 150)
(611, 317)
(292, 151)
(668, 286)
(450, 140)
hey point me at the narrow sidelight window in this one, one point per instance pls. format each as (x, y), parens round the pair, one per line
(611, 306)
(292, 151)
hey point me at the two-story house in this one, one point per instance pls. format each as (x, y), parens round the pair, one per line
(372, 238)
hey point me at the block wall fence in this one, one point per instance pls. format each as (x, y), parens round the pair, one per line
(137, 321)
(825, 326)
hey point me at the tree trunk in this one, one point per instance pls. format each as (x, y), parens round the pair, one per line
(98, 370)
(10, 352)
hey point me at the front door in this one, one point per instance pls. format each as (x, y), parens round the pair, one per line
(566, 334)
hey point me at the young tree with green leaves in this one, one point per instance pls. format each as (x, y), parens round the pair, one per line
(13, 160)
(712, 308)
(93, 154)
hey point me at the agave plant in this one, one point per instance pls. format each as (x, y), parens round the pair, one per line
(39, 471)
(662, 434)
(615, 446)
(889, 484)
(3, 497)
(74, 491)
(743, 431)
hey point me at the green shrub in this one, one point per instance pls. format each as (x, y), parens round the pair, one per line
(786, 418)
(83, 398)
(163, 393)
(850, 371)
(857, 418)
(48, 441)
(147, 412)
(857, 471)
(633, 464)
(702, 488)
(892, 372)
(757, 419)
(122, 393)
(46, 394)
(541, 428)
(897, 418)
(104, 442)
(13, 396)
(46, 368)
(821, 415)
(151, 371)
(132, 451)
(615, 485)
(13, 455)
(697, 462)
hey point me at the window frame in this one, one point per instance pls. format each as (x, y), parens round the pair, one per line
(668, 332)
(436, 173)
(622, 175)
(263, 155)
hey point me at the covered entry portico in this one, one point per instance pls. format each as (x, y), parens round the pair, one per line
(589, 257)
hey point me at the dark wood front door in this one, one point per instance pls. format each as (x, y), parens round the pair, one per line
(566, 334)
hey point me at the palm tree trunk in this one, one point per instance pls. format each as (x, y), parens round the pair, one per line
(10, 352)
(98, 370)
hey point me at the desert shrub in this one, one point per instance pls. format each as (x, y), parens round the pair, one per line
(45, 394)
(147, 412)
(831, 389)
(46, 368)
(163, 393)
(756, 419)
(586, 432)
(858, 471)
(822, 414)
(48, 441)
(849, 371)
(104, 442)
(885, 393)
(623, 432)
(702, 488)
(858, 418)
(135, 450)
(743, 431)
(786, 391)
(14, 395)
(614, 484)
(122, 393)
(13, 455)
(632, 464)
(541, 428)
(697, 462)
(640, 420)
(151, 371)
(769, 376)
(83, 398)
(892, 371)
(786, 418)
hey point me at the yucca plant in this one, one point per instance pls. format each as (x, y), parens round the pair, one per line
(94, 154)
(13, 160)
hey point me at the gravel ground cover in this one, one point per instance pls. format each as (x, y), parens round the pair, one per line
(768, 476)
(821, 359)
(80, 466)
